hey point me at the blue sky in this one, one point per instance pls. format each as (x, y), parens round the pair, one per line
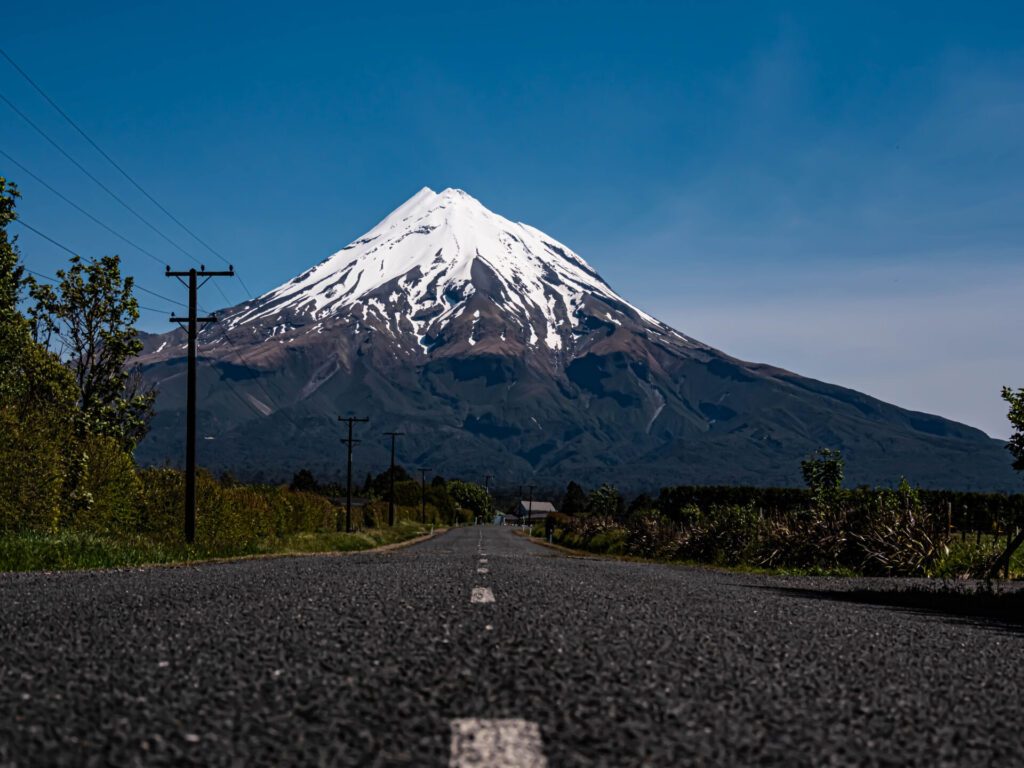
(833, 188)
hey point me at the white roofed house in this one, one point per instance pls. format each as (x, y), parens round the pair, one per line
(531, 511)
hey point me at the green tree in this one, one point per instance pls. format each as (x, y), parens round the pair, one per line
(36, 402)
(381, 485)
(12, 273)
(471, 496)
(605, 501)
(641, 503)
(303, 480)
(823, 475)
(89, 317)
(575, 500)
(1016, 416)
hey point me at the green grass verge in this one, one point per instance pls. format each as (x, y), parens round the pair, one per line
(76, 551)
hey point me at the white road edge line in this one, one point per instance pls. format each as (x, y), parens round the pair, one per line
(508, 743)
(481, 595)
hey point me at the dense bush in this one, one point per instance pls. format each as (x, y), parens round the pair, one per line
(229, 516)
(32, 470)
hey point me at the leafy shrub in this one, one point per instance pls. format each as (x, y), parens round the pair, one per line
(32, 470)
(726, 535)
(896, 536)
(648, 534)
(113, 489)
(967, 559)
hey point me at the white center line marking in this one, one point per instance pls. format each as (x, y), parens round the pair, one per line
(496, 744)
(483, 561)
(481, 595)
(483, 570)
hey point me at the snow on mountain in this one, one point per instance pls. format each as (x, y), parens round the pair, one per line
(435, 257)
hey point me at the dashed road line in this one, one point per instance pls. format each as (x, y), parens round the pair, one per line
(483, 570)
(481, 595)
(508, 743)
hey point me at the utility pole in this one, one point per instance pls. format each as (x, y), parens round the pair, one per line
(192, 328)
(487, 492)
(348, 495)
(529, 513)
(391, 501)
(423, 493)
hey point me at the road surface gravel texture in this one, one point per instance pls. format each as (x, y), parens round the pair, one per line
(387, 659)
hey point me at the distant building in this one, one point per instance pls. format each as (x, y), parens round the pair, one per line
(531, 512)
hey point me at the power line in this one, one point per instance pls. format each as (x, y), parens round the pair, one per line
(29, 227)
(121, 170)
(54, 280)
(82, 210)
(89, 215)
(99, 183)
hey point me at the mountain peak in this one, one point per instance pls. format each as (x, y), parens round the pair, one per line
(421, 267)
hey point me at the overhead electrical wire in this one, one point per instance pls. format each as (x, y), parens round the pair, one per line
(120, 170)
(63, 247)
(99, 183)
(104, 188)
(81, 210)
(222, 328)
(49, 279)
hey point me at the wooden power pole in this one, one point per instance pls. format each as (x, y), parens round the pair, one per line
(348, 485)
(487, 493)
(191, 324)
(423, 493)
(391, 499)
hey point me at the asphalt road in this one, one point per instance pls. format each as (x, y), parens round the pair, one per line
(401, 658)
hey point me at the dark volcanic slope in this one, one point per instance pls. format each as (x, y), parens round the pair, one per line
(367, 659)
(698, 417)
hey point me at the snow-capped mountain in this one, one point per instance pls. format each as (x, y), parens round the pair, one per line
(441, 256)
(493, 346)
(440, 274)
